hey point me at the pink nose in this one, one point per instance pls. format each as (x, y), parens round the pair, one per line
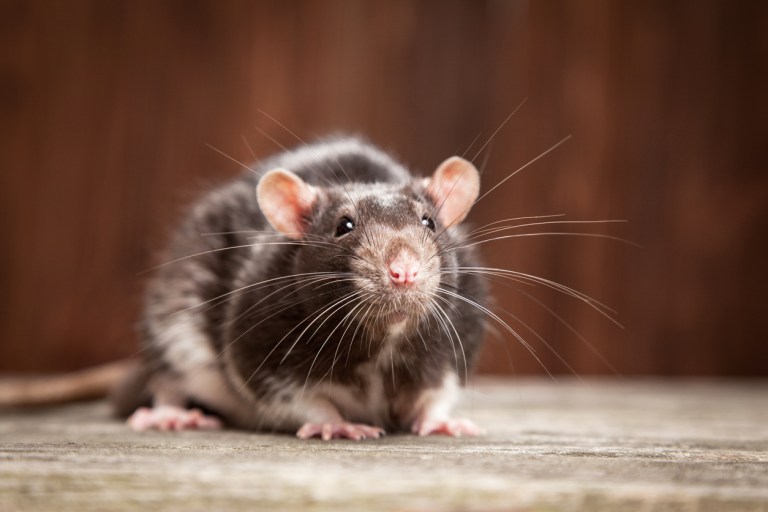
(404, 269)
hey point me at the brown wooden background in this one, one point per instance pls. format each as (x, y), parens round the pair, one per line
(106, 110)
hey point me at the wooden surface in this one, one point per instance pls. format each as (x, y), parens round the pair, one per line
(108, 108)
(595, 446)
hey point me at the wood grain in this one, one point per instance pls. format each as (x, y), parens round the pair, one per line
(604, 444)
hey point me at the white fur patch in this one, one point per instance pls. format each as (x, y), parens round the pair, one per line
(185, 346)
(189, 353)
(389, 200)
(437, 403)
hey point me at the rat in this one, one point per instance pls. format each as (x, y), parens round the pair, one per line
(322, 294)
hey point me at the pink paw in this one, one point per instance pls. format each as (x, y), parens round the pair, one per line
(449, 427)
(166, 417)
(327, 431)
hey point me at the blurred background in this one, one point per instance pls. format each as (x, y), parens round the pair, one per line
(109, 110)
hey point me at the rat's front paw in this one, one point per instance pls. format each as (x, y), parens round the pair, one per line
(166, 417)
(327, 431)
(448, 427)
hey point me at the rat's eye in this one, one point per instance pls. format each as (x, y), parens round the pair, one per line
(428, 222)
(344, 226)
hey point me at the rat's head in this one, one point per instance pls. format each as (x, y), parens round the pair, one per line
(380, 250)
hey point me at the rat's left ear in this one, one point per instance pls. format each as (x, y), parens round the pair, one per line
(286, 201)
(453, 187)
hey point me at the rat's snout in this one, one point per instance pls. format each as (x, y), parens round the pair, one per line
(404, 266)
(404, 270)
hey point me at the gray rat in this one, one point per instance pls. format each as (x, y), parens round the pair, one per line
(321, 294)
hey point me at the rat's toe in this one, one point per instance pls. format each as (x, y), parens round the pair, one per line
(342, 430)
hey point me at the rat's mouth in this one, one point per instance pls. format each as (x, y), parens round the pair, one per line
(394, 317)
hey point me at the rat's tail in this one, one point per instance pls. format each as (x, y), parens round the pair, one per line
(118, 379)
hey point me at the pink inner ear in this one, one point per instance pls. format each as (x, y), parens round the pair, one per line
(285, 200)
(454, 187)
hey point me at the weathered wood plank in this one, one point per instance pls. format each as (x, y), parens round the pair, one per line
(601, 445)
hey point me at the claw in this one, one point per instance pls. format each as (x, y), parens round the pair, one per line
(167, 417)
(328, 431)
(448, 427)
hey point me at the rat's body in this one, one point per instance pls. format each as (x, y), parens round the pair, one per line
(328, 306)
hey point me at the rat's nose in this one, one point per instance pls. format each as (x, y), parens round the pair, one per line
(404, 269)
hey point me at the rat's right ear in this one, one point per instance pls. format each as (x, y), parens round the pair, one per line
(454, 188)
(286, 201)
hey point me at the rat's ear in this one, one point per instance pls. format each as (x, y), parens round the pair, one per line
(454, 187)
(286, 201)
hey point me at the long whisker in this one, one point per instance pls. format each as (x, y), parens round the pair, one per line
(334, 306)
(354, 320)
(325, 281)
(519, 169)
(440, 322)
(501, 322)
(551, 233)
(290, 305)
(245, 141)
(220, 249)
(594, 303)
(258, 285)
(325, 342)
(514, 219)
(537, 335)
(573, 330)
(458, 338)
(488, 230)
(366, 319)
(475, 238)
(503, 123)
(244, 166)
(524, 166)
(316, 315)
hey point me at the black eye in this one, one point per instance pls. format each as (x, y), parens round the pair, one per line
(344, 226)
(428, 222)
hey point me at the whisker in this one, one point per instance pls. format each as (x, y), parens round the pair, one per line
(324, 281)
(220, 249)
(550, 233)
(432, 306)
(316, 314)
(290, 305)
(573, 330)
(537, 335)
(244, 166)
(325, 342)
(458, 338)
(334, 306)
(519, 169)
(357, 310)
(497, 229)
(253, 153)
(513, 219)
(501, 322)
(464, 154)
(524, 166)
(256, 286)
(594, 303)
(366, 318)
(503, 123)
